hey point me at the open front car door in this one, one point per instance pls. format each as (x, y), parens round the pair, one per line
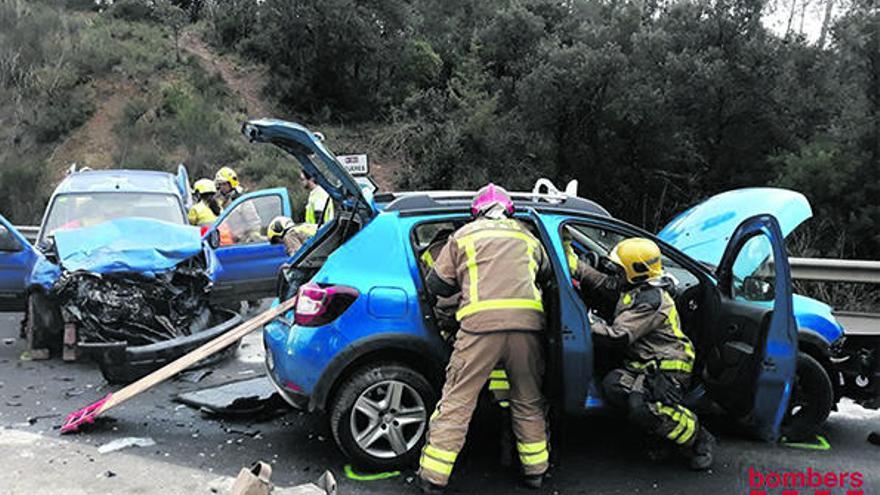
(17, 258)
(750, 364)
(249, 264)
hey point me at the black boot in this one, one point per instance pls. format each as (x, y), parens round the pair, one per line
(533, 481)
(701, 453)
(429, 487)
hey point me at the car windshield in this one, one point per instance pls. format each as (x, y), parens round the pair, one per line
(78, 210)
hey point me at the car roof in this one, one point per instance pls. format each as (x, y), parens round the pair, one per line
(431, 202)
(119, 180)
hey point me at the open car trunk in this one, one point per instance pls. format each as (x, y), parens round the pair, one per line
(312, 256)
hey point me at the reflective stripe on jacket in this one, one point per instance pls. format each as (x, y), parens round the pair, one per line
(319, 201)
(295, 237)
(497, 264)
(200, 214)
(647, 316)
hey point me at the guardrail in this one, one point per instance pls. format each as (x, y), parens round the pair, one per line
(28, 231)
(834, 270)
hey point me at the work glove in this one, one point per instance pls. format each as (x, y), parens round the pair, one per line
(665, 389)
(608, 267)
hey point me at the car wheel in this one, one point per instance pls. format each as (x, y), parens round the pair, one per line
(380, 415)
(811, 400)
(44, 323)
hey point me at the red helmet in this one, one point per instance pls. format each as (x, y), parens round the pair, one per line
(489, 195)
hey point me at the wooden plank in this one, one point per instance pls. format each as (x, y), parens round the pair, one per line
(90, 412)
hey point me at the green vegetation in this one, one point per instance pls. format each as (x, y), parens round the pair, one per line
(62, 60)
(651, 105)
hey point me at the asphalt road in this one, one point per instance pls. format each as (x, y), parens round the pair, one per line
(598, 454)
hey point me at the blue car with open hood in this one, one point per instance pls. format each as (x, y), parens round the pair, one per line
(117, 272)
(363, 346)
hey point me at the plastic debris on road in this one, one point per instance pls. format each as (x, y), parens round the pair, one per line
(124, 443)
(820, 444)
(243, 397)
(351, 474)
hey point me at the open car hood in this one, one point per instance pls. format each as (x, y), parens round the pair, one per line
(702, 232)
(127, 245)
(313, 157)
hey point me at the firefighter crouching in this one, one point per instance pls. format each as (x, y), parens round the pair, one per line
(659, 357)
(496, 264)
(283, 230)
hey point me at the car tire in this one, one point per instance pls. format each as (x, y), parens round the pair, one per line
(811, 400)
(44, 323)
(367, 425)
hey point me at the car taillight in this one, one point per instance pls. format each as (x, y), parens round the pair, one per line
(204, 230)
(317, 305)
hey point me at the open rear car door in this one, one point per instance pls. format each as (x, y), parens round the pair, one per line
(17, 258)
(751, 359)
(570, 347)
(249, 264)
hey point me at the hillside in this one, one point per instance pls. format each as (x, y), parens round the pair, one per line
(123, 99)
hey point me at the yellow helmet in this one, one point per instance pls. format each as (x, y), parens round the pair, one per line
(204, 186)
(639, 257)
(226, 174)
(277, 227)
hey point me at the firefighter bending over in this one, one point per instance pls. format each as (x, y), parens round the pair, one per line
(497, 264)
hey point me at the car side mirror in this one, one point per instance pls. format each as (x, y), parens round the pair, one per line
(758, 289)
(214, 239)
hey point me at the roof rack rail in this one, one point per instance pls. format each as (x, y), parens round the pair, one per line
(437, 200)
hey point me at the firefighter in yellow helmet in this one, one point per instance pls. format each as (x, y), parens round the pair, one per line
(497, 265)
(205, 210)
(228, 186)
(659, 357)
(283, 230)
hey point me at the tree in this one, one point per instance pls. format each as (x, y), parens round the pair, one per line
(174, 18)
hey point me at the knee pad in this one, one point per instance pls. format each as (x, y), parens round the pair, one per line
(640, 412)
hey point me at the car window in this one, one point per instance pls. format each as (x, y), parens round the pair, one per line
(430, 233)
(249, 220)
(7, 241)
(753, 273)
(602, 241)
(78, 210)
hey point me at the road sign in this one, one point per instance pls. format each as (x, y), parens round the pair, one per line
(355, 164)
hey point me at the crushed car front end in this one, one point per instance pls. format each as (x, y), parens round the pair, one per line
(131, 293)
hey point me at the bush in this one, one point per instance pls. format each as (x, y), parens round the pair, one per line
(61, 115)
(21, 200)
(131, 10)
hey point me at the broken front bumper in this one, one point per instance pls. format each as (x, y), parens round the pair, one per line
(123, 363)
(856, 358)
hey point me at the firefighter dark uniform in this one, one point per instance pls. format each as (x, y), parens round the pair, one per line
(659, 357)
(496, 263)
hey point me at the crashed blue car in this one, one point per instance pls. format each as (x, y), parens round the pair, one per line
(363, 346)
(117, 273)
